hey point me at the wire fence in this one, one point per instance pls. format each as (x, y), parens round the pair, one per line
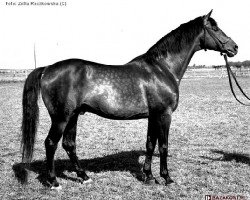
(213, 73)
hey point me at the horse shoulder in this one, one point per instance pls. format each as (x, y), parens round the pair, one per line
(162, 88)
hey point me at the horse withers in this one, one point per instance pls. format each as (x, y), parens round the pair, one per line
(146, 87)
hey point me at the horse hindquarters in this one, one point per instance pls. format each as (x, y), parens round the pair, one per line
(60, 99)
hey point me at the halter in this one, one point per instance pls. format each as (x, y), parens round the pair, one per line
(221, 45)
(219, 42)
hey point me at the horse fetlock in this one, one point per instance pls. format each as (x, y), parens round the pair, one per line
(149, 178)
(147, 168)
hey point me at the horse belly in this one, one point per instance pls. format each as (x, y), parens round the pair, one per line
(118, 102)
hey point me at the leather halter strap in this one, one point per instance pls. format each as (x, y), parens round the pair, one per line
(219, 42)
(229, 72)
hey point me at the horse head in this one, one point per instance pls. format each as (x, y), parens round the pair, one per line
(215, 39)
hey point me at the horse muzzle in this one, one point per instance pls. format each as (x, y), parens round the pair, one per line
(231, 49)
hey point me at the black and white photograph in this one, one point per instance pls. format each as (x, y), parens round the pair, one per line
(125, 99)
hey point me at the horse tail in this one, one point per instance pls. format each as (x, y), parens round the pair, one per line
(30, 119)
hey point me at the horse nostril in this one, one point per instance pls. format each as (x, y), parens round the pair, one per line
(236, 47)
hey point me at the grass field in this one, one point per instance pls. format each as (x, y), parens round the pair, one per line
(209, 151)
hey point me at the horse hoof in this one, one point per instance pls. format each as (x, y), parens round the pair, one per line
(87, 181)
(53, 184)
(57, 188)
(169, 181)
(150, 181)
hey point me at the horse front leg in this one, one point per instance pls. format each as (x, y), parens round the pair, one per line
(150, 147)
(164, 121)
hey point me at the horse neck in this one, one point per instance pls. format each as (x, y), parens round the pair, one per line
(177, 63)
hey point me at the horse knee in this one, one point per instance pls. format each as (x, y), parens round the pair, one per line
(163, 148)
(68, 146)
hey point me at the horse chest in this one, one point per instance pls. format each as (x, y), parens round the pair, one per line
(163, 95)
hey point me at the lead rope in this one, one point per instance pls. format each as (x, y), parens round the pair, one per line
(229, 72)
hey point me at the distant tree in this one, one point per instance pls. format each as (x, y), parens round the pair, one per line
(217, 66)
(239, 64)
(246, 63)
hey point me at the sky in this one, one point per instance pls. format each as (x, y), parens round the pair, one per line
(109, 31)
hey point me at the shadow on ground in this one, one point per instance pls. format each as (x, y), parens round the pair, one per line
(123, 161)
(227, 156)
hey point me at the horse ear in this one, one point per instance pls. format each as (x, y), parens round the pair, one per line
(206, 17)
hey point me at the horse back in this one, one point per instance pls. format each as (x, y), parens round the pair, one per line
(117, 92)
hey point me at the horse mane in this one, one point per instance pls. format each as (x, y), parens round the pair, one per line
(174, 41)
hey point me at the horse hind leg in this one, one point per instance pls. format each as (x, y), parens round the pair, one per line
(69, 144)
(55, 134)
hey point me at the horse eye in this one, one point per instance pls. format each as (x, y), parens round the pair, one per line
(215, 28)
